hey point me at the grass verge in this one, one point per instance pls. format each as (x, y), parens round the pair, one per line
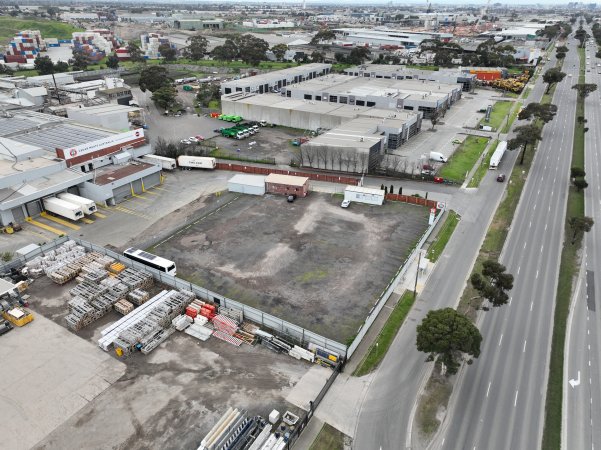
(463, 159)
(436, 396)
(526, 93)
(329, 438)
(514, 113)
(443, 236)
(499, 113)
(378, 350)
(49, 28)
(218, 153)
(483, 167)
(569, 265)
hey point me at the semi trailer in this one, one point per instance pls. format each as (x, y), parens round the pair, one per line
(88, 206)
(196, 162)
(63, 208)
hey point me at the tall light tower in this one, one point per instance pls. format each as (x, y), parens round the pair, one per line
(304, 4)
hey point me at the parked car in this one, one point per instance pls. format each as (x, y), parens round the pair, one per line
(192, 139)
(291, 198)
(199, 137)
(345, 203)
(5, 327)
(438, 180)
(185, 141)
(501, 177)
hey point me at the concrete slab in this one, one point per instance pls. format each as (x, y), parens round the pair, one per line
(48, 375)
(309, 386)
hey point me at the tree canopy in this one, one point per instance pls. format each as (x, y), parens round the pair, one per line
(44, 65)
(246, 47)
(112, 61)
(197, 47)
(279, 51)
(448, 334)
(493, 283)
(553, 75)
(543, 111)
(584, 89)
(80, 60)
(166, 97)
(167, 52)
(135, 54)
(323, 35)
(526, 135)
(154, 78)
(579, 226)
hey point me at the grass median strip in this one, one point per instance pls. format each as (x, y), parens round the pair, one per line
(499, 113)
(484, 165)
(443, 236)
(379, 348)
(329, 438)
(514, 113)
(569, 265)
(464, 158)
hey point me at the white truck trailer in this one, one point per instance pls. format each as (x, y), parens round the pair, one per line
(496, 157)
(63, 208)
(196, 162)
(163, 161)
(88, 206)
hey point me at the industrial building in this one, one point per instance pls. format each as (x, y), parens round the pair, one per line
(110, 116)
(198, 24)
(43, 155)
(396, 72)
(273, 81)
(247, 184)
(276, 183)
(397, 95)
(388, 37)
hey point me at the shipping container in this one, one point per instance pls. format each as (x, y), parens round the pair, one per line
(164, 162)
(63, 208)
(88, 206)
(196, 162)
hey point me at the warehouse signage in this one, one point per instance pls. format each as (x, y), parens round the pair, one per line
(100, 144)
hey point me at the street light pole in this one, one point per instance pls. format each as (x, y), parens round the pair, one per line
(419, 260)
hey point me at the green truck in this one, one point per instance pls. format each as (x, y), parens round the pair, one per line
(230, 118)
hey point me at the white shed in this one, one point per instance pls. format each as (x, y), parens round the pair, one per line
(362, 194)
(247, 184)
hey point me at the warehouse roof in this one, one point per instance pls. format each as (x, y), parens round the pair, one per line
(105, 109)
(288, 180)
(250, 180)
(278, 75)
(110, 174)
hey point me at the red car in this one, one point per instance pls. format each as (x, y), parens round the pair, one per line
(438, 180)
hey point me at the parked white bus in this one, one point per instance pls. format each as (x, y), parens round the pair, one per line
(150, 260)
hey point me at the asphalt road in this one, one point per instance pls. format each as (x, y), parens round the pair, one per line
(385, 414)
(582, 374)
(500, 401)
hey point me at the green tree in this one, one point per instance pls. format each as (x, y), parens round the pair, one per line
(197, 47)
(339, 57)
(493, 283)
(165, 97)
(579, 226)
(545, 112)
(53, 11)
(279, 51)
(112, 62)
(576, 172)
(581, 35)
(154, 78)
(44, 65)
(135, 53)
(358, 55)
(434, 116)
(252, 49)
(323, 35)
(207, 93)
(526, 135)
(562, 49)
(167, 52)
(560, 55)
(552, 76)
(580, 184)
(80, 60)
(61, 66)
(317, 57)
(226, 52)
(447, 334)
(584, 89)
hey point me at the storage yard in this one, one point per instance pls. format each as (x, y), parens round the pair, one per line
(310, 262)
(163, 396)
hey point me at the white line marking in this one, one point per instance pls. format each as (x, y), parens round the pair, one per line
(531, 305)
(515, 401)
(488, 388)
(537, 273)
(500, 339)
(524, 349)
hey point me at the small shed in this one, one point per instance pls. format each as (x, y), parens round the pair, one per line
(247, 184)
(287, 184)
(360, 194)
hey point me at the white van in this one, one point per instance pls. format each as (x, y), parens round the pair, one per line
(435, 156)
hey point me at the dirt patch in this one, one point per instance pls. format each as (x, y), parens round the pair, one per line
(311, 262)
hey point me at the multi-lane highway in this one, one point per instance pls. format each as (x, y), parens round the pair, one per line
(500, 401)
(385, 414)
(582, 373)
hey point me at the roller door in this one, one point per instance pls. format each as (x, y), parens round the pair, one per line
(121, 193)
(137, 186)
(18, 214)
(152, 180)
(34, 208)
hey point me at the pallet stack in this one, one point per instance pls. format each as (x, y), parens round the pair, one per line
(123, 307)
(138, 297)
(225, 328)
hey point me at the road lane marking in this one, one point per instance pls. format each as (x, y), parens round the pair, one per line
(500, 339)
(531, 305)
(545, 227)
(488, 388)
(536, 273)
(519, 269)
(524, 349)
(515, 401)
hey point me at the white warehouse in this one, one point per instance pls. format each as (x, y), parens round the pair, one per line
(247, 184)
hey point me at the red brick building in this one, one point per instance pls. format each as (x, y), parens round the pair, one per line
(287, 185)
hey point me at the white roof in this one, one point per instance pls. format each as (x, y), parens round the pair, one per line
(5, 286)
(36, 91)
(249, 180)
(290, 180)
(364, 190)
(16, 313)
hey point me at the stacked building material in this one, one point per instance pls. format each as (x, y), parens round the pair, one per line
(300, 353)
(124, 307)
(135, 279)
(138, 296)
(182, 322)
(117, 268)
(81, 313)
(232, 313)
(235, 431)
